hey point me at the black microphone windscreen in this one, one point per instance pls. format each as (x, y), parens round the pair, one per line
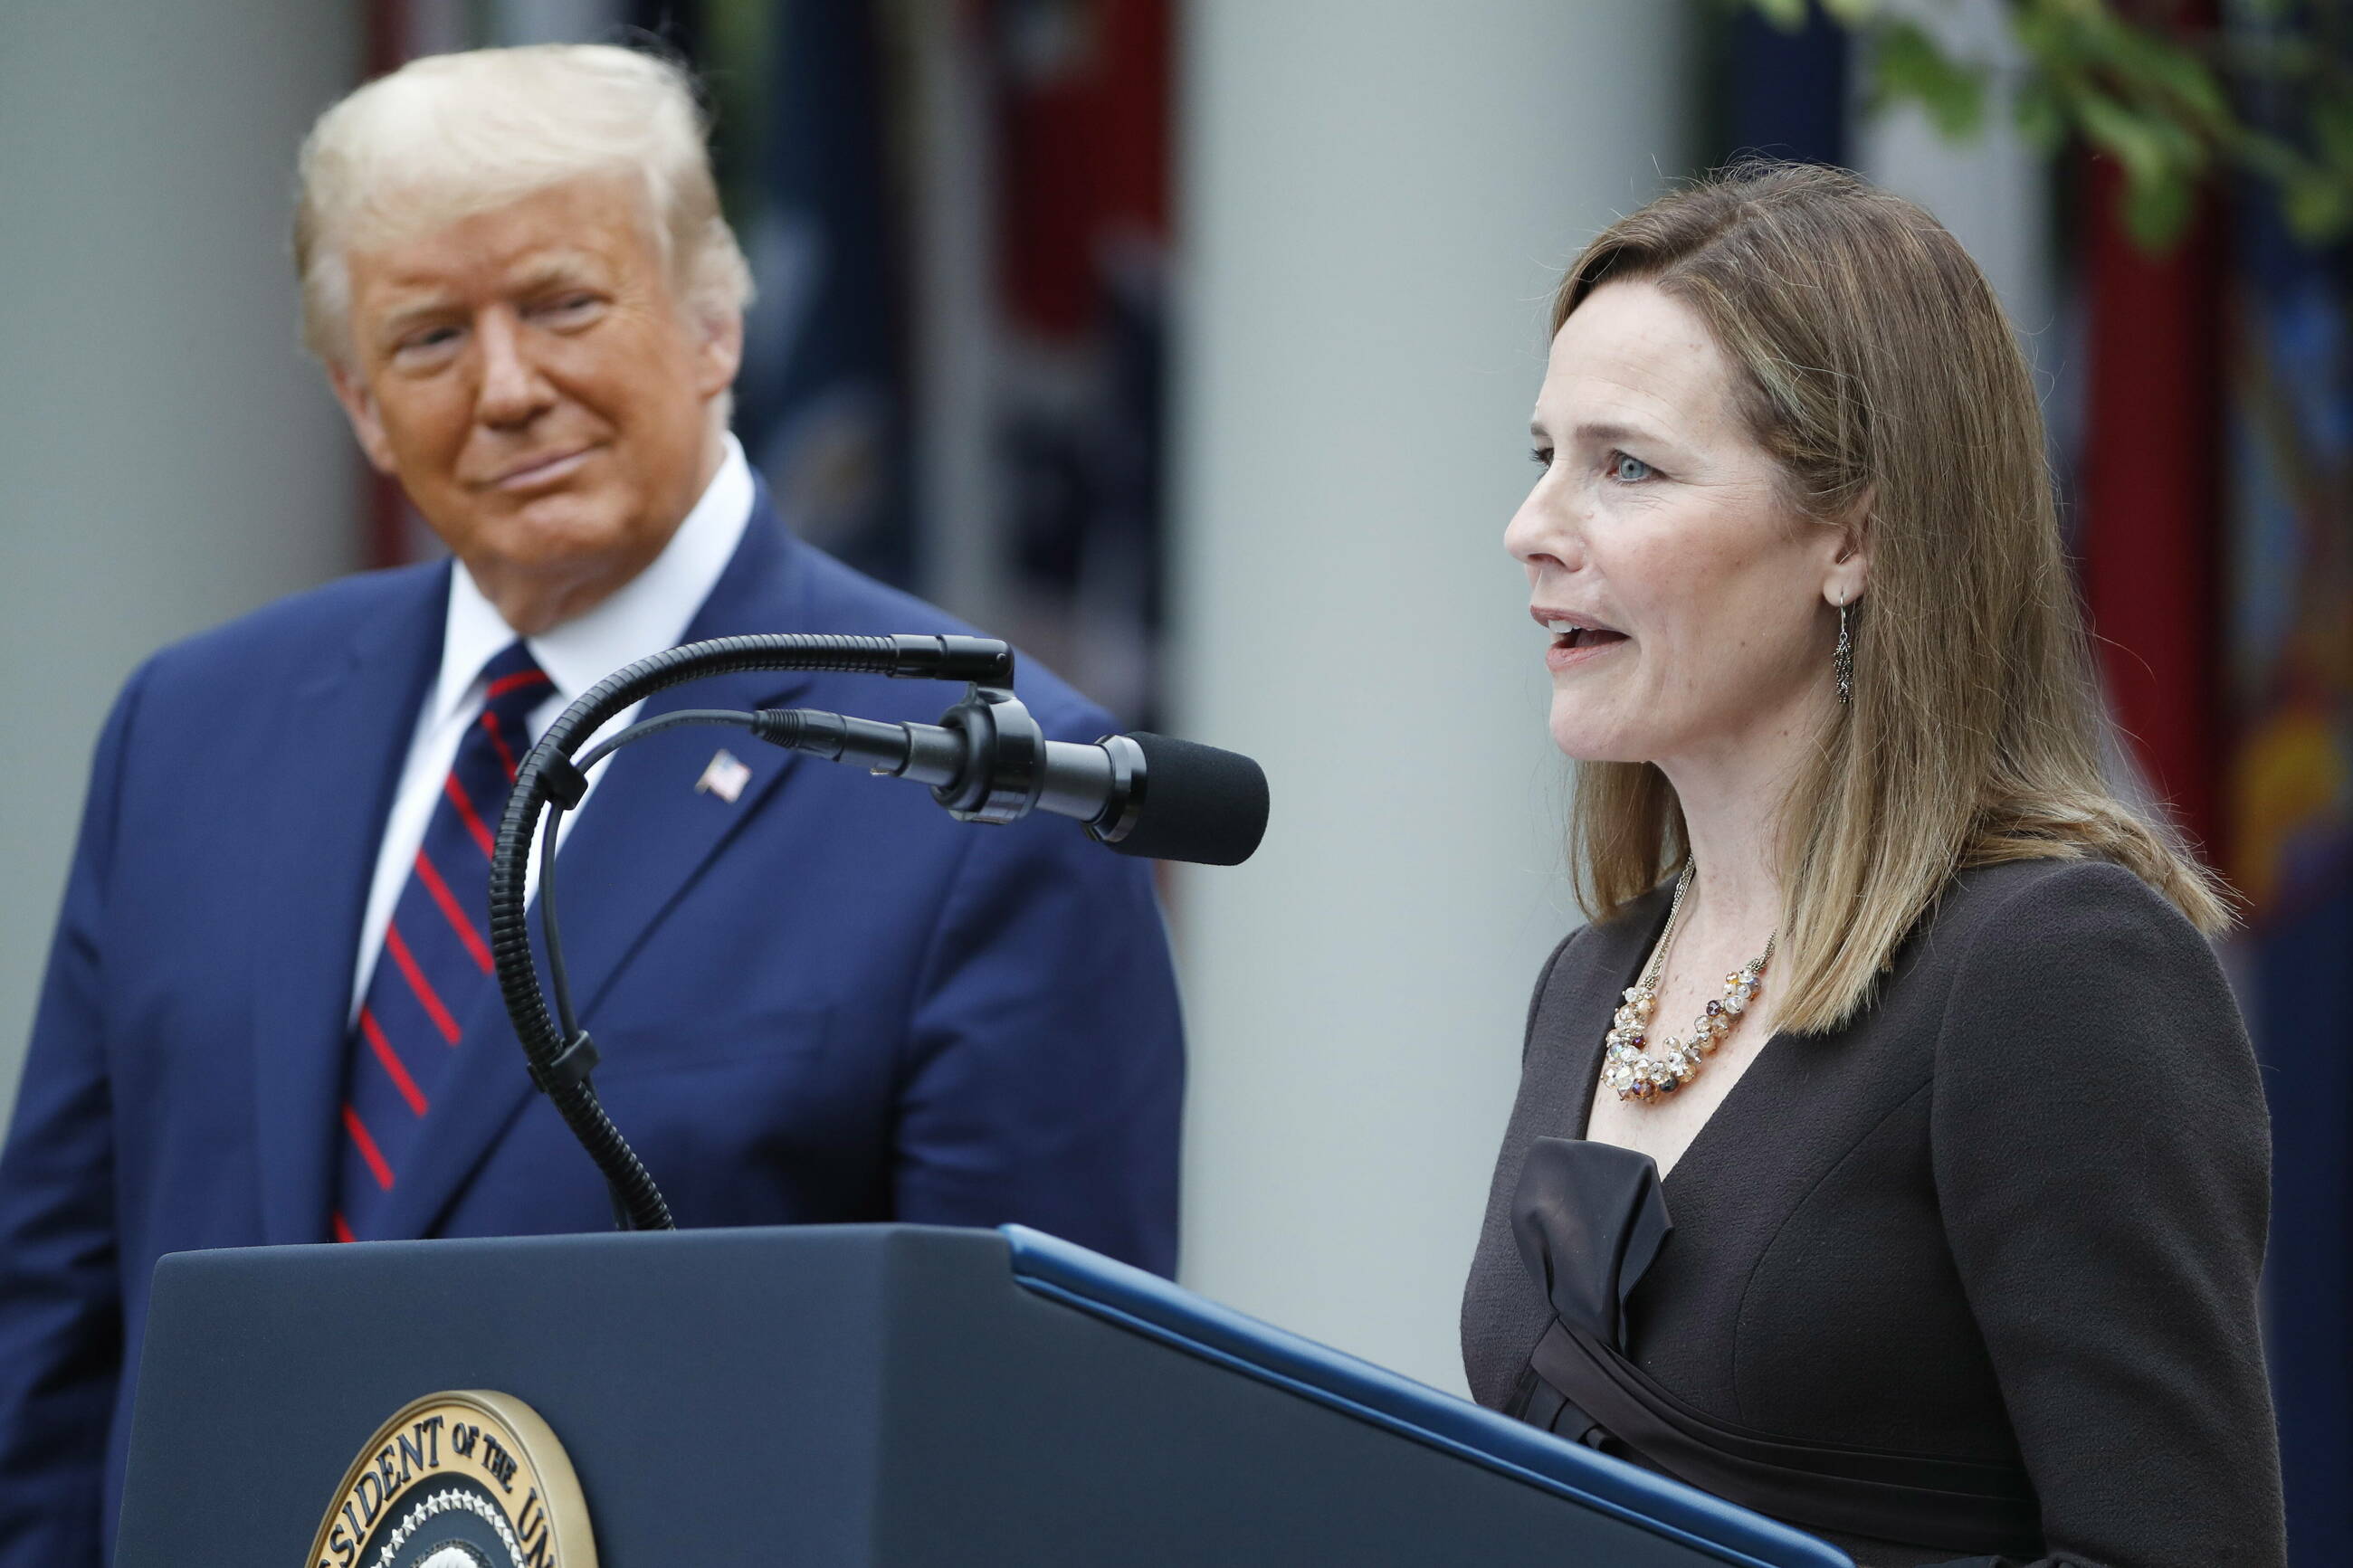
(1200, 804)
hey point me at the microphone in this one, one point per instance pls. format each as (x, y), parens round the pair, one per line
(987, 761)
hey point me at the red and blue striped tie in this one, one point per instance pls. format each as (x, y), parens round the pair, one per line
(435, 967)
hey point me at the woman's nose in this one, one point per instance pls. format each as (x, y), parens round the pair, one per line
(1543, 531)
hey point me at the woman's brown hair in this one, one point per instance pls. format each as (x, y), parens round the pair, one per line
(1874, 363)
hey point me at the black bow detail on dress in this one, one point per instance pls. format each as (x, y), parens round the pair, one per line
(1589, 1219)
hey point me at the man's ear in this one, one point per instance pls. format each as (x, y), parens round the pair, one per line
(358, 408)
(718, 351)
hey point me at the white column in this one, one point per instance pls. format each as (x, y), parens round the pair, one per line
(954, 320)
(1379, 195)
(168, 456)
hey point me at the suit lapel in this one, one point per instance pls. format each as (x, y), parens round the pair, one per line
(643, 838)
(355, 717)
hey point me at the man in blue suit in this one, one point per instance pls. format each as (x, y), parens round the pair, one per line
(269, 1016)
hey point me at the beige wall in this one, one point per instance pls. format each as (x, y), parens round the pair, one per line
(167, 458)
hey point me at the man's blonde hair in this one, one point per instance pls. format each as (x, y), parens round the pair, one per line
(1873, 362)
(448, 136)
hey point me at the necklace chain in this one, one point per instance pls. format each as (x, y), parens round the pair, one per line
(1628, 1063)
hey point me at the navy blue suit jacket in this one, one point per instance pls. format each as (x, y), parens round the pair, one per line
(826, 1001)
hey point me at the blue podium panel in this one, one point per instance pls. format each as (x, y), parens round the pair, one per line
(860, 1395)
(1151, 1306)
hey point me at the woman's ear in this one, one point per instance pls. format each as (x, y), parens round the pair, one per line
(1849, 577)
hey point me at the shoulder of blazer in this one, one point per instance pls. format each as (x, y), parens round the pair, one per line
(1552, 964)
(2018, 901)
(284, 641)
(840, 598)
(2010, 939)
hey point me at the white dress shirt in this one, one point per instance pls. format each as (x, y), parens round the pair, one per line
(645, 616)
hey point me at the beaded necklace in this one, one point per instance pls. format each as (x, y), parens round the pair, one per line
(1650, 1076)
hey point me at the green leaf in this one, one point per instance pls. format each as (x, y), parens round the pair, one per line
(1907, 65)
(2318, 208)
(2269, 156)
(2165, 69)
(2158, 212)
(2274, 57)
(1790, 16)
(2158, 102)
(2123, 134)
(2332, 130)
(2041, 118)
(2186, 151)
(2160, 187)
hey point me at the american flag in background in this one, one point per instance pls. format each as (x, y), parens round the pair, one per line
(2286, 789)
(1082, 195)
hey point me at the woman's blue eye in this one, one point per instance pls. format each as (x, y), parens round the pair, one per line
(1625, 470)
(1541, 456)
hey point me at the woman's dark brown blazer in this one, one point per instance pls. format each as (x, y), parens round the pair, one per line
(2014, 1213)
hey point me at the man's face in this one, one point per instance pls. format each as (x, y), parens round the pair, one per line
(527, 376)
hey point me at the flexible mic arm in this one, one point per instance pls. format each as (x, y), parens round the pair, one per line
(987, 761)
(560, 1062)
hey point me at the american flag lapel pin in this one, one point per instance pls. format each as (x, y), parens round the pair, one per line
(725, 777)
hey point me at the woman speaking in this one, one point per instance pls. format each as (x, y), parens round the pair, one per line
(1888, 1156)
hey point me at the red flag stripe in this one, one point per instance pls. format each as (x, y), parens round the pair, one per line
(515, 682)
(394, 945)
(391, 1060)
(460, 921)
(506, 758)
(466, 813)
(2152, 485)
(343, 1228)
(368, 1151)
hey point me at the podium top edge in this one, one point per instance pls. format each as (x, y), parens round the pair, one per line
(1151, 1305)
(829, 1237)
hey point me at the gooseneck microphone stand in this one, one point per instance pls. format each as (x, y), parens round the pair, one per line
(558, 1052)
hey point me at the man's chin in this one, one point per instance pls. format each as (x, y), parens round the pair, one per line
(558, 557)
(565, 520)
(546, 532)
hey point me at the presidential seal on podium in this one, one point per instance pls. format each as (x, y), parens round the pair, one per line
(467, 1478)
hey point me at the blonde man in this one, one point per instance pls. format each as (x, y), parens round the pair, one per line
(269, 1016)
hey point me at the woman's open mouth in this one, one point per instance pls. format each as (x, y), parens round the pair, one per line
(1575, 641)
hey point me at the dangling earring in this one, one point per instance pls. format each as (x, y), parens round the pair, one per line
(1843, 660)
